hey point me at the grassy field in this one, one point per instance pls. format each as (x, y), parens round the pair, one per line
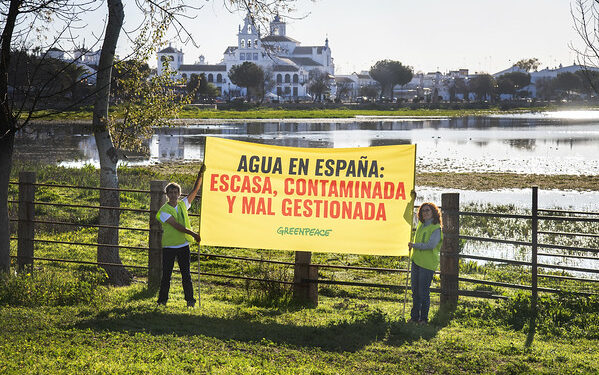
(65, 319)
(123, 331)
(252, 112)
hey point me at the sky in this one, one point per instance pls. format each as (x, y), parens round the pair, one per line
(429, 35)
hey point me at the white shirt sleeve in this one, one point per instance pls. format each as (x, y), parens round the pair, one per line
(164, 216)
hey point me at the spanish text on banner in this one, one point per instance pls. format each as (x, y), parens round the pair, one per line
(353, 200)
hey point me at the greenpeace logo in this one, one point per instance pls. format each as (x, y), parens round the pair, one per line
(291, 231)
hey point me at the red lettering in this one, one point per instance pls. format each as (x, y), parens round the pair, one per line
(333, 189)
(261, 209)
(358, 214)
(318, 203)
(230, 201)
(245, 186)
(249, 205)
(366, 189)
(313, 187)
(285, 206)
(335, 209)
(388, 190)
(234, 181)
(267, 187)
(401, 191)
(288, 190)
(380, 214)
(297, 205)
(347, 210)
(307, 208)
(300, 186)
(377, 191)
(224, 182)
(257, 187)
(369, 208)
(213, 178)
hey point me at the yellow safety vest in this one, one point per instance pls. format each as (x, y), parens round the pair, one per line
(428, 259)
(171, 236)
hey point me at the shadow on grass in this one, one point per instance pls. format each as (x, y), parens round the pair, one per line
(402, 332)
(342, 336)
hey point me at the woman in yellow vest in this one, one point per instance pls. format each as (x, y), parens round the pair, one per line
(176, 237)
(425, 259)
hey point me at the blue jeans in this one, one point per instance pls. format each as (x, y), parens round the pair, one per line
(168, 261)
(421, 294)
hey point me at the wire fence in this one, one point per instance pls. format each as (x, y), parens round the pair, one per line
(562, 277)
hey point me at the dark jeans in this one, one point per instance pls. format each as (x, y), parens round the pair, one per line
(168, 261)
(421, 294)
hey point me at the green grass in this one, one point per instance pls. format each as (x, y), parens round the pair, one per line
(257, 112)
(267, 113)
(62, 318)
(123, 331)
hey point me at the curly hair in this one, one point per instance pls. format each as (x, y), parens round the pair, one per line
(435, 211)
(172, 185)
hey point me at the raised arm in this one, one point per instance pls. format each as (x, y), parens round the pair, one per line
(192, 195)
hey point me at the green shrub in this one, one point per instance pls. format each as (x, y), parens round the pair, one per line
(267, 292)
(52, 288)
(562, 315)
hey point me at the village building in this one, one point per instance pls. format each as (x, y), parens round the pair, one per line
(289, 62)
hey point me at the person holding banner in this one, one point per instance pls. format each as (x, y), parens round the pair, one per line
(176, 238)
(425, 259)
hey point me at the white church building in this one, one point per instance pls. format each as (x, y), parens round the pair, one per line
(289, 61)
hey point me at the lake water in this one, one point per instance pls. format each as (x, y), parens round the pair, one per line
(564, 142)
(541, 143)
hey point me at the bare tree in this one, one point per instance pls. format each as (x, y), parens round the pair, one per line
(160, 15)
(319, 84)
(585, 16)
(344, 89)
(20, 18)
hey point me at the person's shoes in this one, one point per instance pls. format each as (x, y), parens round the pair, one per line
(191, 304)
(412, 321)
(161, 304)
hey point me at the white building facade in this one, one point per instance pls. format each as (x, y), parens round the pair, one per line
(285, 58)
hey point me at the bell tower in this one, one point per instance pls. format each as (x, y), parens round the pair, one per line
(277, 27)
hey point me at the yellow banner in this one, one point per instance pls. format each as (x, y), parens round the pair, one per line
(353, 200)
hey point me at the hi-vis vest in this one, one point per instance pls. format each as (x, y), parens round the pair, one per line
(171, 236)
(428, 259)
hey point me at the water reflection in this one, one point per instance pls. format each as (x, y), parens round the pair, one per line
(543, 144)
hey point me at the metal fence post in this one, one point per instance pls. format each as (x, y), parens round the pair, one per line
(26, 229)
(450, 249)
(533, 262)
(304, 291)
(157, 199)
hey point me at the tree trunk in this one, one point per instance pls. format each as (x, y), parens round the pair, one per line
(118, 275)
(7, 132)
(6, 150)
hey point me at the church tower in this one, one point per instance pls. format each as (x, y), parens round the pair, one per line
(248, 41)
(277, 27)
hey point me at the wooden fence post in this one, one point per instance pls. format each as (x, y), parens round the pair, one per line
(534, 268)
(303, 291)
(157, 199)
(26, 229)
(449, 251)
